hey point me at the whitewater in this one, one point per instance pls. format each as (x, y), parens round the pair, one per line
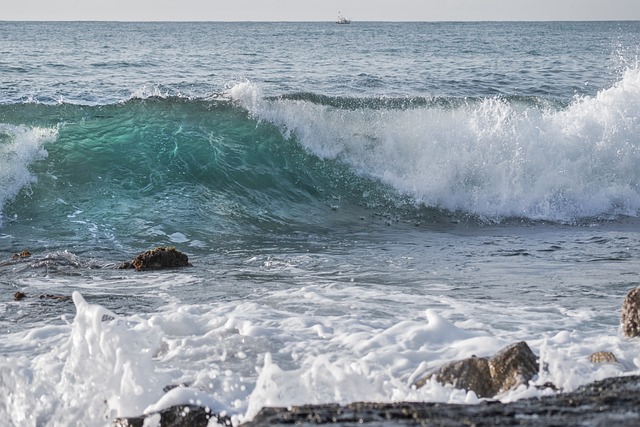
(360, 205)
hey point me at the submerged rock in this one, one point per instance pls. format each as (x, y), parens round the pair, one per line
(19, 296)
(23, 254)
(631, 314)
(158, 258)
(512, 366)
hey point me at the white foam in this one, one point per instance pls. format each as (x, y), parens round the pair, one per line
(492, 157)
(186, 396)
(238, 357)
(20, 146)
(98, 368)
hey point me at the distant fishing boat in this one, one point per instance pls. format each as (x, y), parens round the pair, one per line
(342, 19)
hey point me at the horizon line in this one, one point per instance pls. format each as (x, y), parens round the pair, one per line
(313, 21)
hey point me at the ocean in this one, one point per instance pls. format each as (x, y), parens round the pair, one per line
(360, 203)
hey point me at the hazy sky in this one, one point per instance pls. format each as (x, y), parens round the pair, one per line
(319, 10)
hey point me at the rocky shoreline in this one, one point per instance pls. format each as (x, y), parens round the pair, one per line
(610, 402)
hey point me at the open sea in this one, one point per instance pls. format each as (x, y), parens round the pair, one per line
(361, 204)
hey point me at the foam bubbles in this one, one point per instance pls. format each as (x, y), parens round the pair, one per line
(20, 146)
(98, 368)
(491, 157)
(237, 358)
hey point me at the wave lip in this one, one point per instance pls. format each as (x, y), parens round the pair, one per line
(491, 157)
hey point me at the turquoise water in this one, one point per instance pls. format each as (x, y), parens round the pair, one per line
(360, 203)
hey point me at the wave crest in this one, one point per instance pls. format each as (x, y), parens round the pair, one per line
(20, 146)
(492, 157)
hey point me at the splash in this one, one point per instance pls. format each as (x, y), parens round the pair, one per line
(101, 370)
(492, 157)
(20, 146)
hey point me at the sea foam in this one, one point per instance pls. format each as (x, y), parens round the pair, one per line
(493, 157)
(20, 146)
(238, 358)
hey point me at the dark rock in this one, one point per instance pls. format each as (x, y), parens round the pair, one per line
(55, 297)
(603, 357)
(614, 401)
(23, 254)
(19, 296)
(16, 258)
(158, 258)
(631, 314)
(512, 366)
(175, 416)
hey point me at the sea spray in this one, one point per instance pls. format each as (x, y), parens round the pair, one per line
(20, 146)
(493, 157)
(99, 368)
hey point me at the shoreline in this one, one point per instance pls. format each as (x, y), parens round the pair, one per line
(613, 401)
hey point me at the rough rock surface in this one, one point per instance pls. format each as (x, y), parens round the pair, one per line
(19, 296)
(23, 254)
(512, 366)
(614, 401)
(631, 314)
(603, 357)
(158, 258)
(611, 402)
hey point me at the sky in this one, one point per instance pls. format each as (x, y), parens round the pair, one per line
(319, 10)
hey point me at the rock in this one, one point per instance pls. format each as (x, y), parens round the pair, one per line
(614, 401)
(468, 374)
(175, 416)
(603, 357)
(19, 296)
(512, 366)
(16, 258)
(158, 258)
(23, 254)
(55, 297)
(631, 314)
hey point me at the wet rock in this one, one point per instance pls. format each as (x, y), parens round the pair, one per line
(158, 258)
(631, 314)
(56, 260)
(55, 297)
(603, 357)
(512, 366)
(19, 296)
(614, 401)
(175, 416)
(468, 374)
(23, 254)
(16, 258)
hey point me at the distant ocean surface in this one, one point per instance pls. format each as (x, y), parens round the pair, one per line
(361, 204)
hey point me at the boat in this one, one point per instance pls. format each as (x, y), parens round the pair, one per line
(342, 19)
